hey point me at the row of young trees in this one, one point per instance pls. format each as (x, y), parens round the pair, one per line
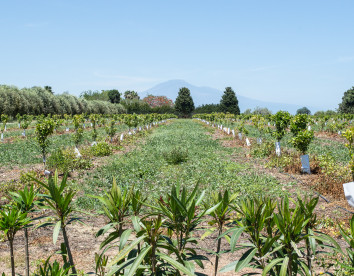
(160, 238)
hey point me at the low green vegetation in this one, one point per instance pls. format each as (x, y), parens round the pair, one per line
(180, 152)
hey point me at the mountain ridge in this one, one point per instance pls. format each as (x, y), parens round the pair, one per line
(208, 95)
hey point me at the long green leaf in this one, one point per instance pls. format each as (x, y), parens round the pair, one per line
(284, 266)
(175, 264)
(138, 260)
(271, 265)
(56, 232)
(245, 259)
(125, 251)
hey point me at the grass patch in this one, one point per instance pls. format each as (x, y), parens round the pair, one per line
(208, 164)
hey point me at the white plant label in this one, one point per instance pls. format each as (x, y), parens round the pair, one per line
(24, 133)
(91, 125)
(309, 127)
(228, 131)
(19, 125)
(248, 143)
(268, 124)
(5, 127)
(78, 154)
(2, 136)
(139, 128)
(121, 137)
(67, 129)
(233, 132)
(94, 143)
(129, 133)
(277, 148)
(349, 192)
(259, 141)
(339, 132)
(46, 172)
(240, 136)
(305, 164)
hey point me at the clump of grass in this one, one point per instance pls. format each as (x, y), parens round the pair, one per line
(175, 156)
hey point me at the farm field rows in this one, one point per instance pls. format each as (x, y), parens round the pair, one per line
(180, 152)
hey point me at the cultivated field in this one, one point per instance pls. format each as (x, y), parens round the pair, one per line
(164, 196)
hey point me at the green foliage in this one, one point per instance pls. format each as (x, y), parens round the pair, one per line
(4, 119)
(59, 200)
(349, 135)
(184, 104)
(347, 104)
(100, 149)
(94, 119)
(347, 264)
(241, 127)
(44, 128)
(221, 216)
(114, 96)
(111, 129)
(37, 100)
(303, 110)
(302, 140)
(229, 102)
(116, 205)
(176, 156)
(207, 108)
(131, 95)
(327, 113)
(65, 161)
(90, 95)
(262, 111)
(54, 269)
(12, 219)
(26, 121)
(281, 120)
(136, 106)
(262, 150)
(78, 120)
(276, 238)
(299, 123)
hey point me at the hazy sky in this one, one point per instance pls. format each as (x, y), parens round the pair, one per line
(299, 52)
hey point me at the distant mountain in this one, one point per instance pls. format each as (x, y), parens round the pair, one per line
(207, 95)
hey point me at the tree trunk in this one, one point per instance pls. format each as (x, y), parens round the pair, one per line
(71, 261)
(26, 252)
(309, 261)
(217, 253)
(11, 241)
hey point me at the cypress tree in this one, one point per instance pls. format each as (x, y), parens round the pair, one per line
(184, 104)
(229, 102)
(347, 104)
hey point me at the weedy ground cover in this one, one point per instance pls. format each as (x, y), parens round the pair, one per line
(24, 151)
(208, 163)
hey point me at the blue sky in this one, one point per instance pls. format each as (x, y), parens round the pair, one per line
(299, 52)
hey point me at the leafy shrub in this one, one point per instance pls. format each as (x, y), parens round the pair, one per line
(66, 161)
(262, 150)
(281, 120)
(302, 140)
(176, 156)
(100, 149)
